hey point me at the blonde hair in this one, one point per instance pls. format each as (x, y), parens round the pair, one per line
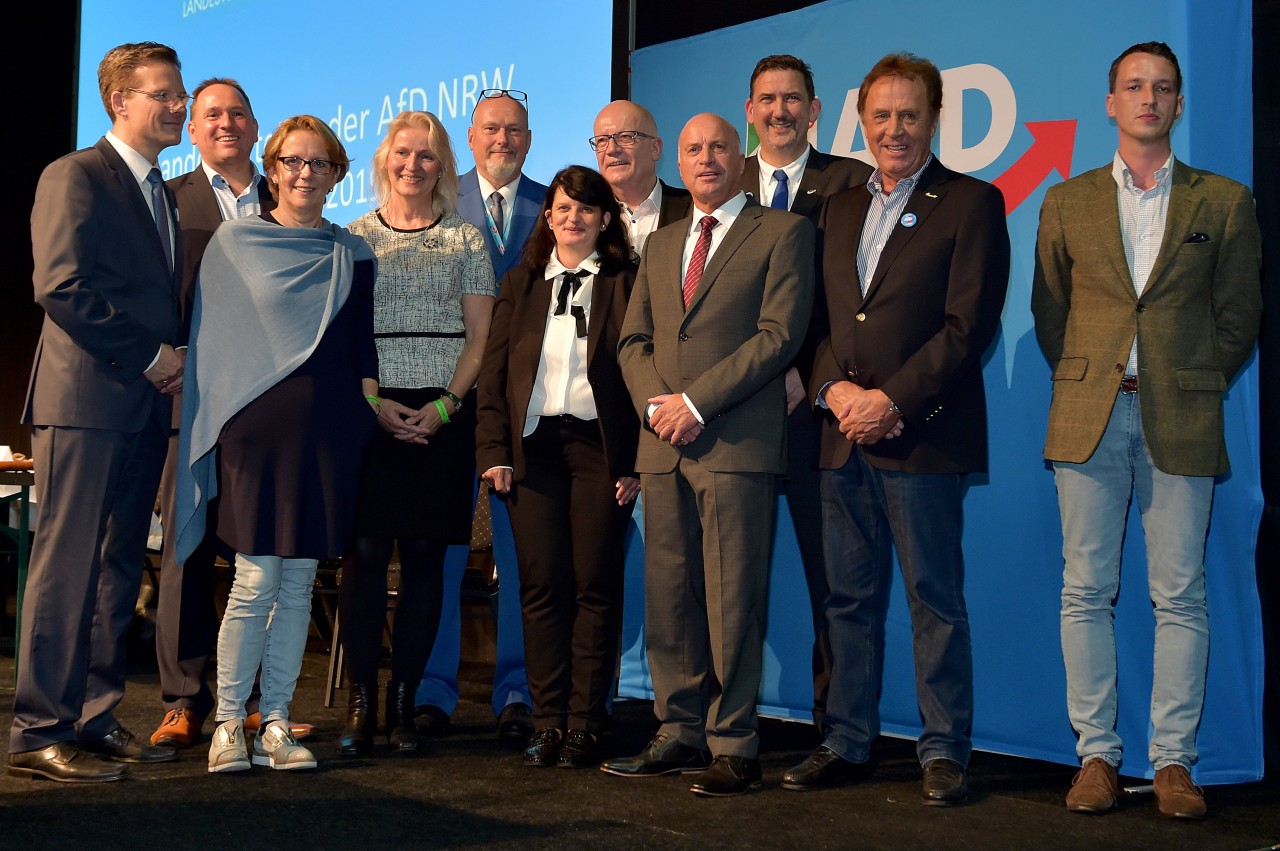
(444, 200)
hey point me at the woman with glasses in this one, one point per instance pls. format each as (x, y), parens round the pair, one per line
(557, 435)
(432, 300)
(274, 424)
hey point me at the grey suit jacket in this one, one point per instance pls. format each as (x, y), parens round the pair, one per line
(109, 297)
(1196, 321)
(729, 350)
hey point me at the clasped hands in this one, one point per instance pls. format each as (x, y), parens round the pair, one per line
(166, 373)
(672, 421)
(865, 416)
(499, 480)
(408, 424)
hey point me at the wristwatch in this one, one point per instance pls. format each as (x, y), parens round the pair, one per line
(457, 403)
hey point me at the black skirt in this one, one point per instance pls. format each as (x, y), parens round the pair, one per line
(411, 490)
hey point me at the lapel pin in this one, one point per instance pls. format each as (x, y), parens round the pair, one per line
(930, 195)
(908, 220)
(811, 191)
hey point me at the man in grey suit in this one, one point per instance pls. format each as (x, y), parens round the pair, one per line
(788, 173)
(628, 148)
(719, 309)
(1147, 301)
(103, 239)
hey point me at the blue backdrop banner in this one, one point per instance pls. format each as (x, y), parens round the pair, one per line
(1024, 89)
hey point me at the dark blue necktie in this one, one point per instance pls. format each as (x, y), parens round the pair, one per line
(779, 201)
(159, 210)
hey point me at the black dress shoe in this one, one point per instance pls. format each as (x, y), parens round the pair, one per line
(663, 755)
(945, 783)
(356, 738)
(544, 747)
(64, 762)
(515, 724)
(122, 746)
(822, 770)
(727, 776)
(578, 750)
(432, 722)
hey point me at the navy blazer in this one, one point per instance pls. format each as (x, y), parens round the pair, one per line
(109, 296)
(528, 204)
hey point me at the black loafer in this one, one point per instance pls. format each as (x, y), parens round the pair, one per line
(822, 770)
(663, 755)
(515, 724)
(544, 747)
(63, 762)
(122, 746)
(727, 776)
(432, 722)
(578, 750)
(945, 783)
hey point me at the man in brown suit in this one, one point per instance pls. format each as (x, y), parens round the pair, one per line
(719, 309)
(1147, 301)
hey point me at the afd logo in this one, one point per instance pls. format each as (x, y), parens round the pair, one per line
(1052, 141)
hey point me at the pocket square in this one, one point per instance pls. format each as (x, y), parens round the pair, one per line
(1197, 237)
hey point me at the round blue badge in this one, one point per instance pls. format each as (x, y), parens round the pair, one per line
(908, 220)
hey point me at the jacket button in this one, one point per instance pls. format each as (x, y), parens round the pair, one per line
(1141, 307)
(861, 317)
(684, 338)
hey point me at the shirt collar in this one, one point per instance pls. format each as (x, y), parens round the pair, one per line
(137, 163)
(652, 204)
(556, 268)
(728, 210)
(1124, 178)
(507, 192)
(875, 183)
(218, 180)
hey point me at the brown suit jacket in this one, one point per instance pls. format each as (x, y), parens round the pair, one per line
(930, 312)
(729, 350)
(514, 350)
(1196, 320)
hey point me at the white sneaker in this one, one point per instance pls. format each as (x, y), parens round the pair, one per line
(228, 752)
(275, 746)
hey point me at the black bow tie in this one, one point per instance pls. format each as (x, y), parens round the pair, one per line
(567, 280)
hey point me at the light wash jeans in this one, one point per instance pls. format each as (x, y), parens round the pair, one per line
(1093, 498)
(266, 622)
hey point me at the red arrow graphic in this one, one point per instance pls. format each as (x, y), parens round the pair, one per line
(1051, 150)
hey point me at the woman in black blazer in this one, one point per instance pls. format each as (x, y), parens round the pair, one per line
(556, 434)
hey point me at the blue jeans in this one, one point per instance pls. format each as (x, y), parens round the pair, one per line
(266, 622)
(866, 514)
(1093, 498)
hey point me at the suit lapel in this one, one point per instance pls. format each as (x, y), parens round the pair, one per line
(813, 185)
(751, 176)
(129, 186)
(1184, 204)
(601, 298)
(925, 198)
(743, 226)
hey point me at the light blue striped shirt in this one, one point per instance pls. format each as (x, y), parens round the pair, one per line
(1142, 218)
(882, 215)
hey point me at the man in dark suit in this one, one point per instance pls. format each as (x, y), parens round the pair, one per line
(505, 204)
(719, 309)
(914, 266)
(628, 148)
(103, 235)
(787, 173)
(225, 186)
(1147, 301)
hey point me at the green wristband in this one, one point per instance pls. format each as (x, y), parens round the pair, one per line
(373, 400)
(444, 412)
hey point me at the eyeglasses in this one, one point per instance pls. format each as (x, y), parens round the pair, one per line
(625, 139)
(169, 99)
(515, 94)
(294, 164)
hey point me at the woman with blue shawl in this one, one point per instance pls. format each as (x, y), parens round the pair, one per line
(275, 421)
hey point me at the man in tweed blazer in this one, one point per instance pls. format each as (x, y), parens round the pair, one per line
(703, 358)
(1147, 301)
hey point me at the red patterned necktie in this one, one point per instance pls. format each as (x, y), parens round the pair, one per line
(698, 261)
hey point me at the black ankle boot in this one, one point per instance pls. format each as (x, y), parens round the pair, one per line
(362, 721)
(402, 733)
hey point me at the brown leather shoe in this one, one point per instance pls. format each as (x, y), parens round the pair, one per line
(1176, 795)
(64, 762)
(297, 728)
(1094, 789)
(181, 728)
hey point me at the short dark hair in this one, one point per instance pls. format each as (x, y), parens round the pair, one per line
(586, 186)
(1155, 48)
(783, 62)
(910, 67)
(223, 81)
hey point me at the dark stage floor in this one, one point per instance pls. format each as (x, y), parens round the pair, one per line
(469, 791)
